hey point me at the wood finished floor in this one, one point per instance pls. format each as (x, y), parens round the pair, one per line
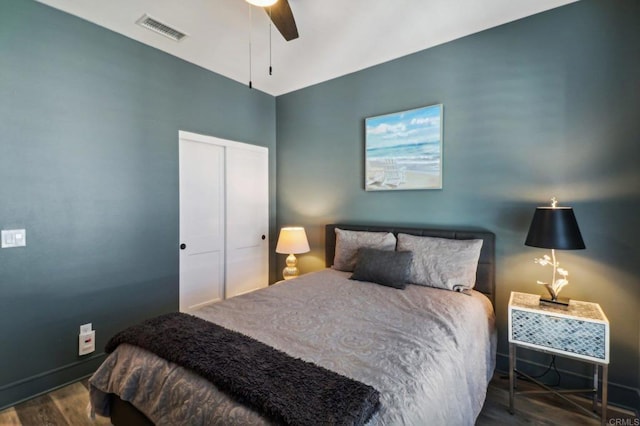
(62, 407)
(67, 406)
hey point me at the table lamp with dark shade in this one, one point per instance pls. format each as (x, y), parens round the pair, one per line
(554, 228)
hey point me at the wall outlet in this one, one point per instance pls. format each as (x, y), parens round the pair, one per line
(86, 343)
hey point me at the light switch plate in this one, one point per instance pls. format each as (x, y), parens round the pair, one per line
(14, 238)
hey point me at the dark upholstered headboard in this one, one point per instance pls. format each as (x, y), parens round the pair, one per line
(485, 276)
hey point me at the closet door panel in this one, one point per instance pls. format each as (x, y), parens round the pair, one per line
(247, 224)
(202, 231)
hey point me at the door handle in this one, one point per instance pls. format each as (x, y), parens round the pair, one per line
(264, 237)
(183, 246)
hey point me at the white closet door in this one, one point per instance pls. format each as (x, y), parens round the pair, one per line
(202, 232)
(247, 216)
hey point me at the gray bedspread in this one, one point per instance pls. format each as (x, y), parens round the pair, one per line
(430, 352)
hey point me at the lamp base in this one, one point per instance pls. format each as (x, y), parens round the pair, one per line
(560, 301)
(291, 270)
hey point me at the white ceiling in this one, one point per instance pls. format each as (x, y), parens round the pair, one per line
(337, 37)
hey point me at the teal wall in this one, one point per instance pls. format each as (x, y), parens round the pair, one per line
(89, 125)
(544, 106)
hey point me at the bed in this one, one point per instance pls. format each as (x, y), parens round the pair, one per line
(429, 352)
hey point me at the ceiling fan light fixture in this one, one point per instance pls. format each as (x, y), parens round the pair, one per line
(262, 3)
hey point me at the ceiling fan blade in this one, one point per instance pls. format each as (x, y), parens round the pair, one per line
(282, 18)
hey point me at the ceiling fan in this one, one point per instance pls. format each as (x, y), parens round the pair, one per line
(281, 15)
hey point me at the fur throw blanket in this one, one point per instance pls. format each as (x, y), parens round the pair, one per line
(284, 389)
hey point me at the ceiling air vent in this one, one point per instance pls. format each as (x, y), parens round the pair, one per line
(152, 24)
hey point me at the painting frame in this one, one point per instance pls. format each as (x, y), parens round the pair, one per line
(403, 150)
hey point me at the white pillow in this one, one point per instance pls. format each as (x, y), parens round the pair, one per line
(442, 262)
(348, 243)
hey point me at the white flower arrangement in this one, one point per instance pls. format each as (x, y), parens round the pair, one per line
(556, 284)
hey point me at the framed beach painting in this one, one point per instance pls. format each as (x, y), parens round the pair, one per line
(403, 150)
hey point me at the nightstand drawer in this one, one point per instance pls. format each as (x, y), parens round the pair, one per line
(569, 335)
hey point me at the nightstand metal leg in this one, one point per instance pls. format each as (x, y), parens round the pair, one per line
(605, 380)
(512, 376)
(595, 388)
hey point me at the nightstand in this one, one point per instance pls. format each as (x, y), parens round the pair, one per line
(579, 331)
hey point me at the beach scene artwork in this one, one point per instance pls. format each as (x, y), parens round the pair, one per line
(404, 150)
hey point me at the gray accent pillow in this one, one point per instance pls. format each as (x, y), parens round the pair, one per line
(348, 243)
(389, 268)
(442, 262)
